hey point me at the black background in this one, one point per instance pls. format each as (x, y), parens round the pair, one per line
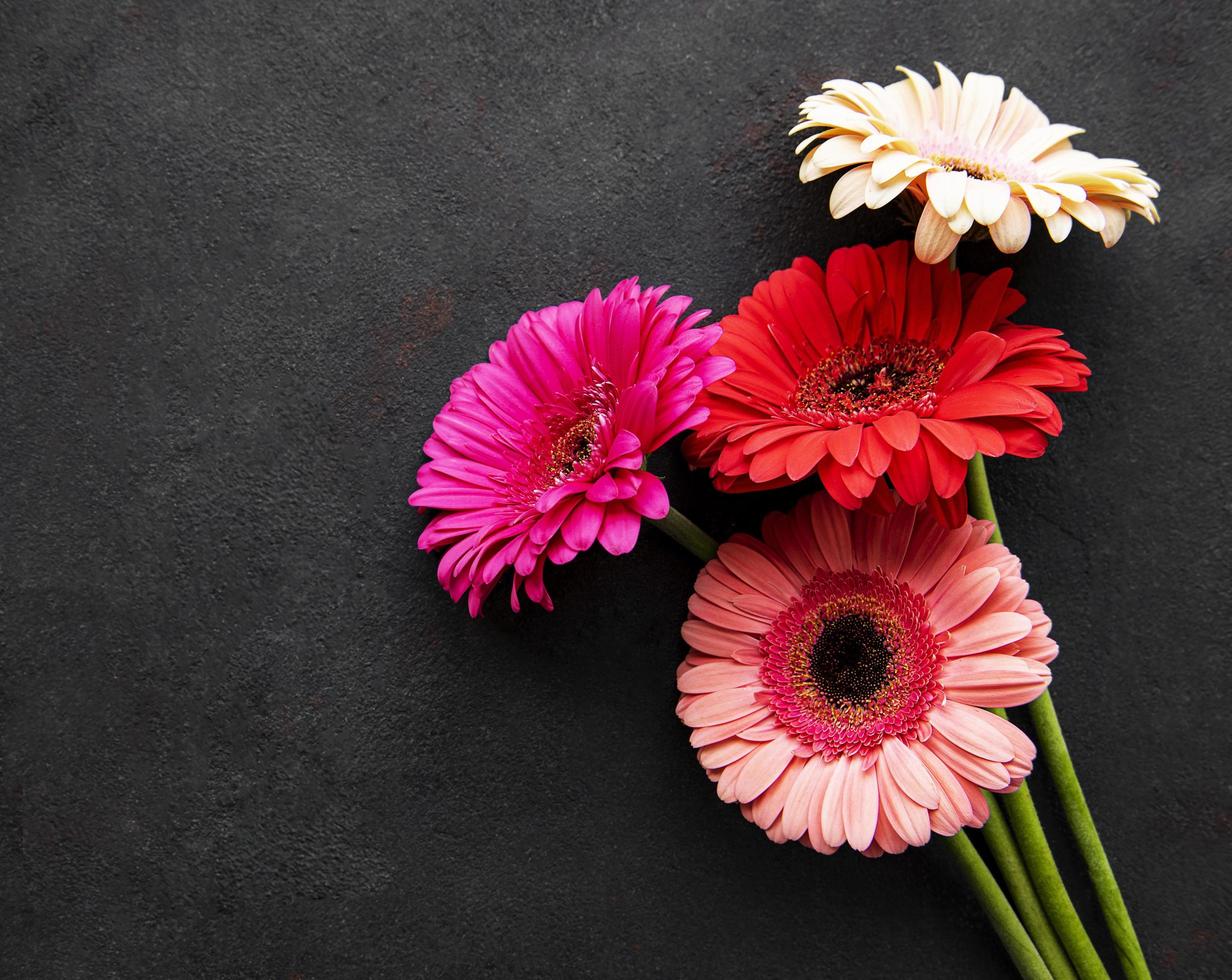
(245, 248)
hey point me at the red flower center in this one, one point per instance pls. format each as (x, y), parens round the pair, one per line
(860, 384)
(852, 660)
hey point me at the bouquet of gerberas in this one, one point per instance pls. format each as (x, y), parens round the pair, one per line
(847, 671)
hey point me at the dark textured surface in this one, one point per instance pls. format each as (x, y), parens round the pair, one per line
(244, 249)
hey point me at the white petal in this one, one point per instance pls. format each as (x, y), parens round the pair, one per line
(1070, 192)
(1087, 213)
(986, 199)
(933, 239)
(878, 141)
(848, 193)
(1114, 224)
(1010, 120)
(924, 95)
(1059, 225)
(977, 108)
(890, 164)
(879, 195)
(833, 154)
(947, 97)
(1010, 232)
(1042, 202)
(961, 223)
(1031, 145)
(945, 190)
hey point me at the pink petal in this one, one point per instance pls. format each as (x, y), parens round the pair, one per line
(956, 600)
(908, 819)
(799, 802)
(832, 831)
(722, 706)
(651, 498)
(724, 753)
(757, 571)
(763, 767)
(969, 729)
(619, 532)
(714, 640)
(993, 680)
(860, 805)
(987, 633)
(910, 774)
(990, 775)
(581, 527)
(716, 676)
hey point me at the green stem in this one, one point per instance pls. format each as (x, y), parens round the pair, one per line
(1065, 779)
(687, 534)
(1046, 877)
(1004, 922)
(1005, 852)
(1022, 812)
(979, 496)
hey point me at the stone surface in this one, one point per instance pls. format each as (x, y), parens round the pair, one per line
(245, 248)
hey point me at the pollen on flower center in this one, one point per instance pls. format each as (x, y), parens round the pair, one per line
(973, 167)
(561, 441)
(572, 447)
(851, 661)
(555, 454)
(977, 160)
(859, 384)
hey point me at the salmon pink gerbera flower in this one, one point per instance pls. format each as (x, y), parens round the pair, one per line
(882, 365)
(970, 158)
(539, 451)
(838, 667)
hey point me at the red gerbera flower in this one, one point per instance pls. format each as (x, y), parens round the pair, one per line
(882, 365)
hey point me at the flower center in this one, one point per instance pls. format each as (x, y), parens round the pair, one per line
(572, 447)
(974, 168)
(558, 441)
(851, 661)
(860, 384)
(977, 159)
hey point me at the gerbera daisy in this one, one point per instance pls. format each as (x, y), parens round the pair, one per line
(837, 670)
(881, 365)
(539, 451)
(968, 157)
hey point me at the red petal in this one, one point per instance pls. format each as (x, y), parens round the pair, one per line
(901, 431)
(987, 398)
(982, 309)
(844, 444)
(948, 471)
(909, 472)
(971, 361)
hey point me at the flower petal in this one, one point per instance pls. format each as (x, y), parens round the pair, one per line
(934, 241)
(1010, 232)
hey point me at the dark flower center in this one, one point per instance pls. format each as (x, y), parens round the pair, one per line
(862, 382)
(571, 447)
(561, 440)
(850, 659)
(859, 384)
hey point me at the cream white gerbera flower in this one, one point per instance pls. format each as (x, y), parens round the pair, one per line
(968, 157)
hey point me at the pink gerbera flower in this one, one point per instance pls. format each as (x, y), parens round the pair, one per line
(837, 671)
(539, 451)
